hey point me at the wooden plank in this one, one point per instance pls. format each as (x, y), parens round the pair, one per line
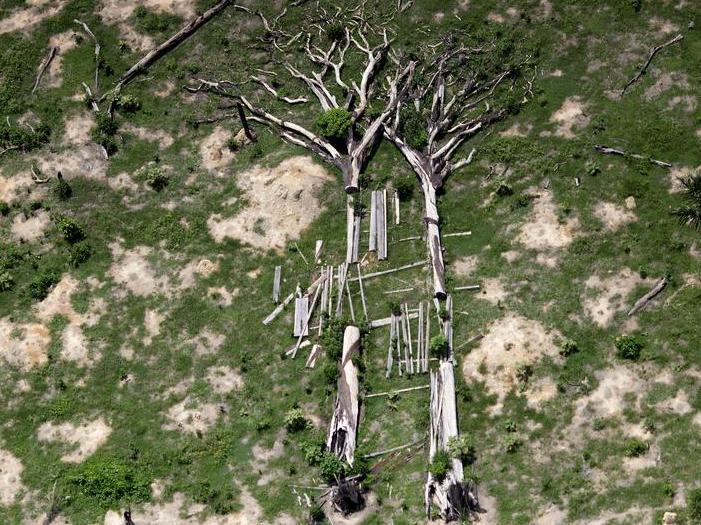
(278, 309)
(401, 390)
(409, 339)
(362, 293)
(378, 323)
(400, 290)
(427, 337)
(396, 208)
(341, 283)
(301, 312)
(305, 326)
(350, 301)
(313, 356)
(318, 250)
(398, 344)
(420, 339)
(382, 226)
(350, 230)
(276, 284)
(468, 287)
(372, 244)
(389, 351)
(393, 270)
(457, 234)
(356, 238)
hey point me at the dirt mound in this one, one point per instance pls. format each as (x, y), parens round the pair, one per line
(282, 203)
(223, 379)
(604, 297)
(508, 343)
(189, 416)
(24, 19)
(493, 291)
(10, 477)
(83, 439)
(544, 229)
(215, 150)
(570, 118)
(10, 186)
(613, 215)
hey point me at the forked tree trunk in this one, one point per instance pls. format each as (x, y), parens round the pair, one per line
(433, 237)
(344, 423)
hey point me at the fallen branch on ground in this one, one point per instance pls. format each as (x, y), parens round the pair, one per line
(640, 303)
(652, 54)
(613, 151)
(393, 449)
(44, 65)
(392, 392)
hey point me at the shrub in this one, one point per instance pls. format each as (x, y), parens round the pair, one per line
(510, 425)
(330, 373)
(6, 281)
(693, 505)
(313, 452)
(332, 339)
(104, 132)
(502, 188)
(334, 123)
(690, 213)
(79, 253)
(568, 348)
(42, 282)
(635, 448)
(438, 346)
(22, 137)
(127, 103)
(71, 230)
(62, 190)
(512, 443)
(108, 482)
(155, 178)
(331, 467)
(413, 128)
(4, 208)
(440, 465)
(316, 515)
(462, 448)
(336, 32)
(628, 347)
(295, 420)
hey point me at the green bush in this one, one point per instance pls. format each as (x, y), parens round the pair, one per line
(693, 505)
(155, 177)
(331, 467)
(316, 515)
(23, 137)
(502, 188)
(4, 208)
(438, 346)
(313, 452)
(79, 253)
(62, 190)
(103, 133)
(635, 448)
(155, 23)
(42, 282)
(413, 127)
(70, 230)
(568, 348)
(6, 281)
(332, 338)
(334, 123)
(404, 184)
(462, 448)
(128, 103)
(512, 443)
(295, 420)
(330, 373)
(109, 482)
(628, 347)
(440, 465)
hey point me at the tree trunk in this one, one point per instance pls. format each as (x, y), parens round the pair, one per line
(433, 237)
(351, 174)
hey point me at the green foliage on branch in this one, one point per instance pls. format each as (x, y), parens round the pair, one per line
(334, 123)
(628, 347)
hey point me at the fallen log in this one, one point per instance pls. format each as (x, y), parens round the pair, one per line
(378, 323)
(166, 47)
(642, 302)
(613, 151)
(652, 54)
(344, 422)
(43, 66)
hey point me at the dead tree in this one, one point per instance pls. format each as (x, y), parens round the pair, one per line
(449, 101)
(319, 68)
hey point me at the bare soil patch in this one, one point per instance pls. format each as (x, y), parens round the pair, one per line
(466, 266)
(604, 297)
(662, 27)
(544, 229)
(282, 202)
(163, 139)
(665, 81)
(193, 417)
(24, 19)
(613, 215)
(518, 130)
(152, 324)
(223, 379)
(570, 118)
(10, 477)
(215, 151)
(32, 228)
(686, 103)
(64, 42)
(493, 290)
(24, 345)
(508, 342)
(10, 186)
(679, 173)
(82, 440)
(133, 271)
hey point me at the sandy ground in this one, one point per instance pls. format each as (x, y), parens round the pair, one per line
(465, 266)
(676, 175)
(10, 186)
(163, 139)
(518, 130)
(189, 416)
(223, 379)
(180, 512)
(222, 295)
(508, 342)
(32, 228)
(282, 203)
(64, 42)
(664, 81)
(492, 290)
(543, 230)
(604, 297)
(152, 324)
(24, 345)
(82, 440)
(10, 477)
(613, 215)
(24, 19)
(132, 270)
(570, 118)
(215, 152)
